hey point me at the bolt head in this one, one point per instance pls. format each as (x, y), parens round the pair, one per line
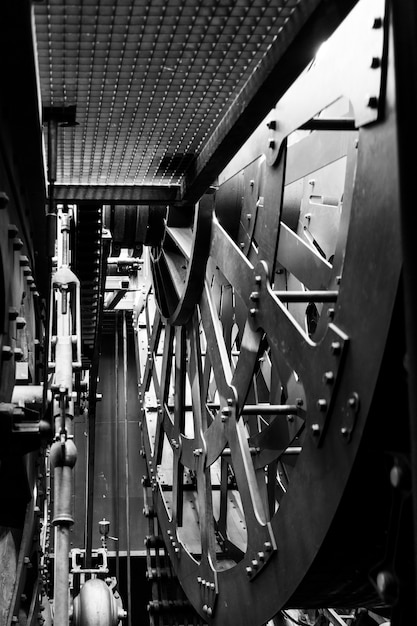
(328, 378)
(4, 200)
(344, 432)
(372, 102)
(335, 348)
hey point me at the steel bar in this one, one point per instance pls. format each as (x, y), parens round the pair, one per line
(270, 409)
(307, 296)
(126, 438)
(340, 123)
(116, 434)
(117, 194)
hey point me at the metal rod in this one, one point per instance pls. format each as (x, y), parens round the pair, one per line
(252, 450)
(307, 296)
(116, 437)
(128, 569)
(337, 123)
(89, 496)
(270, 409)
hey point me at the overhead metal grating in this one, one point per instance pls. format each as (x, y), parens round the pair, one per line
(150, 80)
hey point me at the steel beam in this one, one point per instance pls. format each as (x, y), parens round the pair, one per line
(117, 194)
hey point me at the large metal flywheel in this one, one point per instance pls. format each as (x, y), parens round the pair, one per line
(263, 343)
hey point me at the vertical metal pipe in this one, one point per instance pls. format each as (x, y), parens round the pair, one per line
(116, 438)
(89, 487)
(61, 575)
(128, 569)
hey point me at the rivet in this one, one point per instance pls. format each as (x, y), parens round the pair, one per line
(249, 571)
(6, 353)
(335, 347)
(375, 63)
(372, 102)
(328, 378)
(254, 296)
(4, 200)
(344, 432)
(253, 312)
(12, 230)
(400, 477)
(13, 313)
(272, 124)
(209, 611)
(377, 23)
(258, 279)
(387, 585)
(18, 354)
(315, 429)
(271, 144)
(322, 404)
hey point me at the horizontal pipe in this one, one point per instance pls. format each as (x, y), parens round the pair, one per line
(270, 409)
(307, 296)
